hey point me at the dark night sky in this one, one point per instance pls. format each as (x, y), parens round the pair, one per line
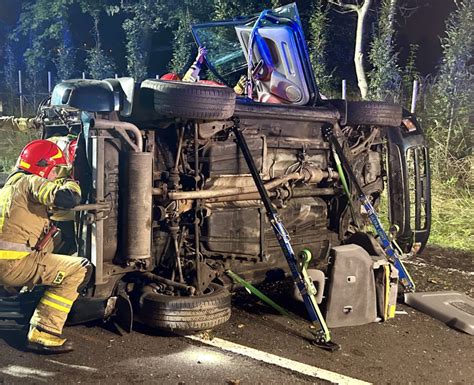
(424, 26)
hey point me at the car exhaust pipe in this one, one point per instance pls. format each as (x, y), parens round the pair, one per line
(139, 205)
(120, 127)
(312, 175)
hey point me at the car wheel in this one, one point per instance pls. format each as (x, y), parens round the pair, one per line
(191, 100)
(376, 113)
(191, 313)
(16, 308)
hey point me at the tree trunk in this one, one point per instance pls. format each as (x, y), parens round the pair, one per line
(392, 14)
(359, 52)
(96, 32)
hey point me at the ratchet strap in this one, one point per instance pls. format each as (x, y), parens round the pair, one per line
(390, 251)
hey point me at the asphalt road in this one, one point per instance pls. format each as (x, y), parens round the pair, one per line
(103, 357)
(411, 349)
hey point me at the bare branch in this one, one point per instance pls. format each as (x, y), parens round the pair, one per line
(406, 11)
(340, 11)
(344, 6)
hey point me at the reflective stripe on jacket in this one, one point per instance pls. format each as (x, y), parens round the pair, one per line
(12, 250)
(24, 203)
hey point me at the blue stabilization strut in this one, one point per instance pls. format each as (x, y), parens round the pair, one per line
(323, 337)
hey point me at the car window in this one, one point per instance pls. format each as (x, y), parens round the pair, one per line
(224, 51)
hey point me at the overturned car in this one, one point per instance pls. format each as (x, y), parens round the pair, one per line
(169, 203)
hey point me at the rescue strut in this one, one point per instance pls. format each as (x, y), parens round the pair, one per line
(393, 257)
(323, 337)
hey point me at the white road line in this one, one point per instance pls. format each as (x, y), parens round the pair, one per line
(79, 367)
(272, 359)
(24, 372)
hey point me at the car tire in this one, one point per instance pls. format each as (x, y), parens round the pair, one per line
(376, 113)
(191, 100)
(16, 309)
(193, 313)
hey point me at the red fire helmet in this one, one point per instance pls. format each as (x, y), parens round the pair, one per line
(39, 157)
(170, 76)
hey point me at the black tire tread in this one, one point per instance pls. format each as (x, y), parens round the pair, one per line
(191, 100)
(185, 313)
(376, 113)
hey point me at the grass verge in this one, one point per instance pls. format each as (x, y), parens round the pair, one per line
(452, 223)
(11, 143)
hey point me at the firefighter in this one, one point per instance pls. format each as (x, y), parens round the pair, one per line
(39, 184)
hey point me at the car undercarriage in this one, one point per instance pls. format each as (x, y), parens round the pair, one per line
(169, 204)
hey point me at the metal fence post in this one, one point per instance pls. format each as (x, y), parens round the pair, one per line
(344, 89)
(49, 82)
(414, 96)
(20, 90)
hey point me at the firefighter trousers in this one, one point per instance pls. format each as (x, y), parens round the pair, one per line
(62, 274)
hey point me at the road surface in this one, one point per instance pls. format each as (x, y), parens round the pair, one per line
(411, 349)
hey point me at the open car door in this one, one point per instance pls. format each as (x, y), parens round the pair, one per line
(269, 48)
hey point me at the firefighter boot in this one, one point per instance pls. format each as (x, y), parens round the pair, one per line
(45, 343)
